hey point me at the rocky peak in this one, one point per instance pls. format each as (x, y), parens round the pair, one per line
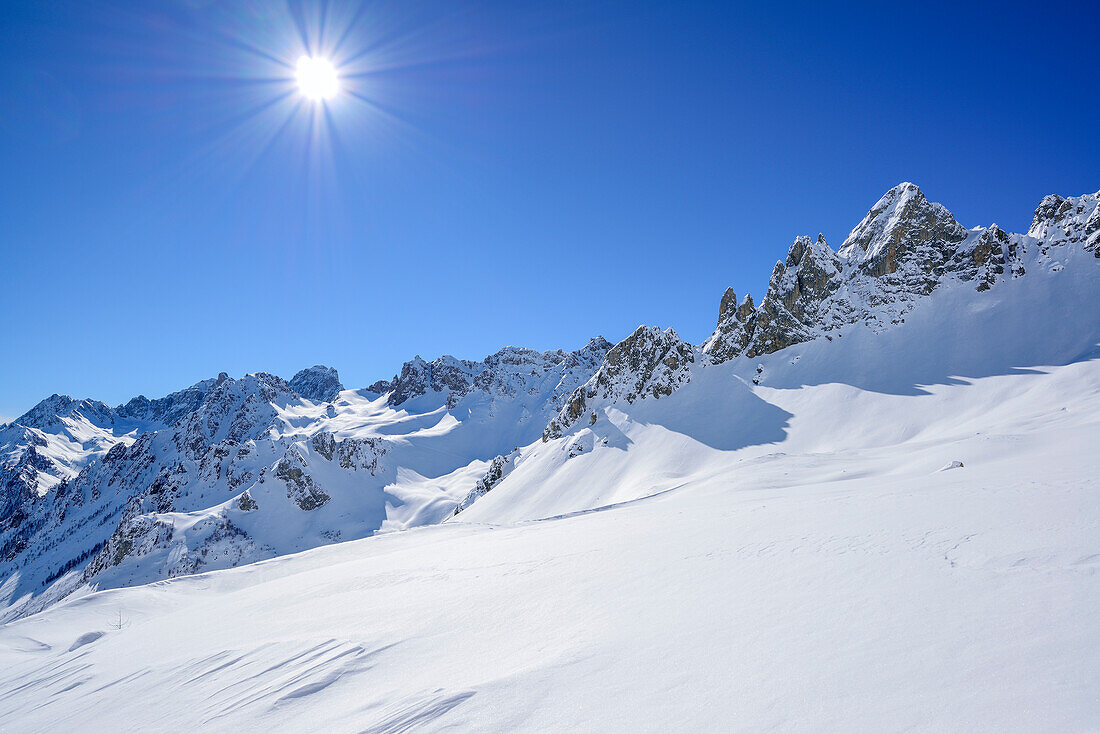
(522, 356)
(234, 410)
(508, 371)
(732, 317)
(727, 307)
(803, 245)
(798, 286)
(651, 362)
(596, 344)
(588, 357)
(903, 249)
(169, 409)
(745, 308)
(47, 413)
(642, 355)
(1062, 220)
(902, 225)
(810, 273)
(317, 383)
(797, 289)
(732, 310)
(418, 377)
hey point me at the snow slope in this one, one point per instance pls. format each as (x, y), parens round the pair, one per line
(817, 584)
(857, 384)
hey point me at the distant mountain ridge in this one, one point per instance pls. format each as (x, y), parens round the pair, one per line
(231, 471)
(234, 470)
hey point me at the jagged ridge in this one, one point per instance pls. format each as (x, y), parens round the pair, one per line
(902, 250)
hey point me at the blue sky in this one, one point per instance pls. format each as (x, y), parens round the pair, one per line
(495, 173)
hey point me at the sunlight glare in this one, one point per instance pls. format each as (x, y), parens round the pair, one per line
(317, 78)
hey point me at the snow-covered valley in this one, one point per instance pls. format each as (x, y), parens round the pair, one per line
(867, 504)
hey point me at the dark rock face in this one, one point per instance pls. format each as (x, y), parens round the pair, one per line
(731, 334)
(236, 410)
(381, 387)
(727, 307)
(300, 486)
(987, 257)
(792, 306)
(317, 383)
(904, 227)
(246, 504)
(796, 291)
(19, 486)
(648, 363)
(810, 274)
(351, 453)
(130, 538)
(418, 377)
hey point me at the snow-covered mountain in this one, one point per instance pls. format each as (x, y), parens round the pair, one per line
(903, 250)
(797, 449)
(231, 471)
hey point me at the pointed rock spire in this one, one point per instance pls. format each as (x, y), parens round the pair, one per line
(902, 225)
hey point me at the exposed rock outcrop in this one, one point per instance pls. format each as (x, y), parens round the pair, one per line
(1060, 221)
(169, 409)
(509, 371)
(904, 228)
(649, 363)
(499, 468)
(317, 383)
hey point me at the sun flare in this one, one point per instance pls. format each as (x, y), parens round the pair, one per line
(317, 78)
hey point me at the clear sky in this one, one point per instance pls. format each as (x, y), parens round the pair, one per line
(529, 173)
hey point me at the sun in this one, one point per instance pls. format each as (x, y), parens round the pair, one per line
(317, 78)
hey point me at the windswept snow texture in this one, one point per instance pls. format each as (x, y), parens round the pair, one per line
(869, 504)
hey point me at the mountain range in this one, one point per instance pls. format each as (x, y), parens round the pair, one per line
(232, 471)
